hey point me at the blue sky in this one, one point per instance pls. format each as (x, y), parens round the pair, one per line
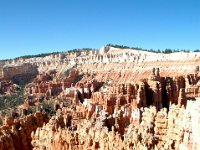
(39, 26)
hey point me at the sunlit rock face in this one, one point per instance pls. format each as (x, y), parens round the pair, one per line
(107, 99)
(17, 71)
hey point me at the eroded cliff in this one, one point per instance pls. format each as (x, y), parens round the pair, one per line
(107, 99)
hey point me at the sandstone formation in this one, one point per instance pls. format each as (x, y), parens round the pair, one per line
(16, 71)
(107, 99)
(16, 133)
(155, 130)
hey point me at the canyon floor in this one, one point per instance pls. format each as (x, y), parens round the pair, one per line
(104, 99)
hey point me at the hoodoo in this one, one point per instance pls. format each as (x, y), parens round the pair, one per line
(112, 98)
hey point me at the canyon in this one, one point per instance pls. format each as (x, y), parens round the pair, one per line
(110, 98)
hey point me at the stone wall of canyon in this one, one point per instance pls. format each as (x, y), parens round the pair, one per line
(107, 99)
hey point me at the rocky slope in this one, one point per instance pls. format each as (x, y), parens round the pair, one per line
(107, 99)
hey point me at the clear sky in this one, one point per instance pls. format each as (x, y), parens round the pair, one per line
(39, 26)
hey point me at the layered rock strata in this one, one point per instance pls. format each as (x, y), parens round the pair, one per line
(118, 99)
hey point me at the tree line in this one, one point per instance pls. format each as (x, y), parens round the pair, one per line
(53, 53)
(166, 51)
(112, 45)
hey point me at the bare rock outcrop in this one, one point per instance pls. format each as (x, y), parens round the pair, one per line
(16, 134)
(108, 99)
(161, 130)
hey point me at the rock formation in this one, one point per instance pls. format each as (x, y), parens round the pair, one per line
(16, 134)
(108, 99)
(156, 130)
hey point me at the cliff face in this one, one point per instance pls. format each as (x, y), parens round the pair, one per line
(112, 99)
(111, 60)
(16, 72)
